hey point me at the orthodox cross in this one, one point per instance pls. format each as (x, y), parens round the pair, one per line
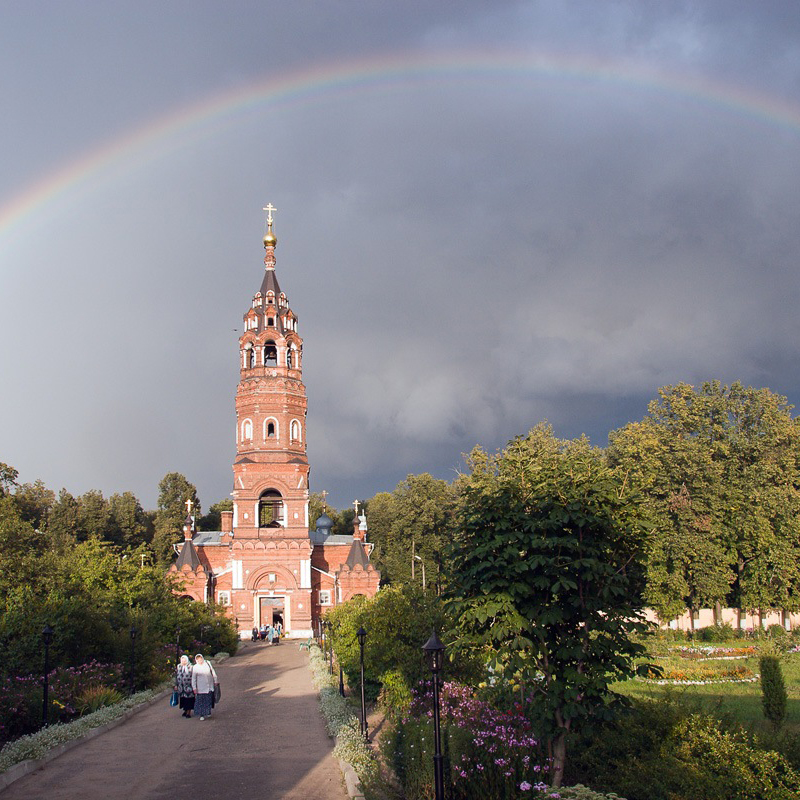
(269, 208)
(324, 496)
(356, 504)
(189, 505)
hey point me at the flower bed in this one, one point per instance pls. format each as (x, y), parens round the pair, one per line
(489, 753)
(711, 653)
(21, 697)
(702, 674)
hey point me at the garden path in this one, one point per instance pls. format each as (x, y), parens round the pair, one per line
(266, 739)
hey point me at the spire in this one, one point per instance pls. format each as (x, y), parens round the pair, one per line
(270, 240)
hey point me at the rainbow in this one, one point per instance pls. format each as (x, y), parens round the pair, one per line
(153, 138)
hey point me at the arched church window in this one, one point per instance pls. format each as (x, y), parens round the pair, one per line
(295, 431)
(270, 430)
(270, 354)
(270, 509)
(247, 430)
(289, 357)
(270, 322)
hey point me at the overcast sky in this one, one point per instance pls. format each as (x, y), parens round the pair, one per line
(489, 214)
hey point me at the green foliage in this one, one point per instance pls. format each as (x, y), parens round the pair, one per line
(96, 697)
(410, 527)
(544, 575)
(773, 689)
(664, 749)
(722, 632)
(173, 492)
(395, 695)
(213, 520)
(398, 621)
(717, 468)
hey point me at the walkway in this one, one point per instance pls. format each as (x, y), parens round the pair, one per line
(265, 740)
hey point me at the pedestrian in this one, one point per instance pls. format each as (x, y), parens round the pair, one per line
(203, 681)
(183, 686)
(270, 634)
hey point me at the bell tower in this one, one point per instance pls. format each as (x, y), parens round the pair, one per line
(271, 545)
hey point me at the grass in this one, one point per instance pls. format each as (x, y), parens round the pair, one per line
(737, 701)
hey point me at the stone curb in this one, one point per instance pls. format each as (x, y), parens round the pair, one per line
(24, 768)
(351, 781)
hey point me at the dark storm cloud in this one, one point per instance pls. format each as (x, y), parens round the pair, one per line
(467, 256)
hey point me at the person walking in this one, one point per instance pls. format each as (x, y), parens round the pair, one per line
(183, 686)
(270, 634)
(203, 681)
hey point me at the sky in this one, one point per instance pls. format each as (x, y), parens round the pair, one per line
(489, 214)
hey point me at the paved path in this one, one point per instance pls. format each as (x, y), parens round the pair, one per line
(266, 740)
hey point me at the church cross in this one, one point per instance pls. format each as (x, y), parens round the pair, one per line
(356, 504)
(324, 497)
(269, 208)
(189, 505)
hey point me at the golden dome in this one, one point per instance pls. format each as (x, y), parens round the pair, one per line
(270, 240)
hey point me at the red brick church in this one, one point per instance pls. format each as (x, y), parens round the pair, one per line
(265, 565)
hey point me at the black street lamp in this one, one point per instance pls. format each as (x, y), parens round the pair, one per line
(177, 646)
(47, 636)
(341, 681)
(434, 651)
(133, 656)
(330, 649)
(362, 637)
(322, 628)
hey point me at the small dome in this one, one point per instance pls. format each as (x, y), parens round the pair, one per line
(270, 240)
(324, 523)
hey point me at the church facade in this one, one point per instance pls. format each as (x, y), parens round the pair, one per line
(265, 565)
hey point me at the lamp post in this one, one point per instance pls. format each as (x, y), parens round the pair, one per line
(434, 650)
(177, 646)
(362, 637)
(47, 636)
(424, 582)
(133, 657)
(330, 648)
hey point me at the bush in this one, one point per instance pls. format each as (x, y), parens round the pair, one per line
(773, 689)
(395, 696)
(722, 765)
(96, 697)
(778, 633)
(661, 749)
(718, 633)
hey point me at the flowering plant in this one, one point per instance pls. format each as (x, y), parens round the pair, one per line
(487, 752)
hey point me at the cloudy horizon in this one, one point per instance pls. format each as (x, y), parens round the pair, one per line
(488, 215)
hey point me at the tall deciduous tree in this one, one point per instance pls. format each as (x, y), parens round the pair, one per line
(130, 526)
(718, 468)
(410, 527)
(173, 492)
(545, 574)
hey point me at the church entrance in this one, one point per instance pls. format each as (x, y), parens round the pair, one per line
(271, 611)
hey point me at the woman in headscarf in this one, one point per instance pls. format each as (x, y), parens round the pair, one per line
(203, 680)
(183, 686)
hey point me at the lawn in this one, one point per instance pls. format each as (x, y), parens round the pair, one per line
(739, 701)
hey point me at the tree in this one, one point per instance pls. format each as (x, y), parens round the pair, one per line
(34, 501)
(718, 473)
(173, 492)
(213, 520)
(130, 526)
(94, 515)
(410, 527)
(63, 521)
(545, 575)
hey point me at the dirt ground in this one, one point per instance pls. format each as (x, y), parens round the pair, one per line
(266, 739)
